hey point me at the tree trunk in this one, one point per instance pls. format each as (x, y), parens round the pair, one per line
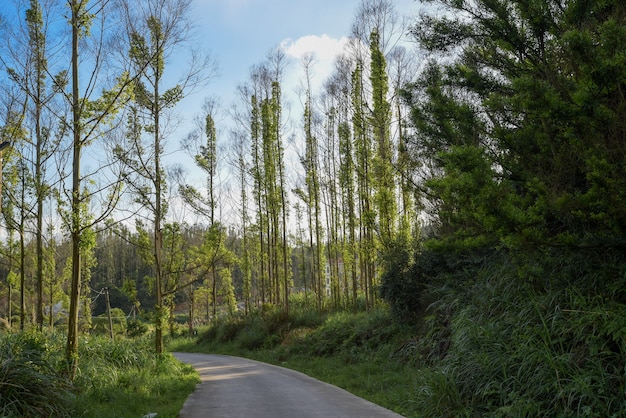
(72, 327)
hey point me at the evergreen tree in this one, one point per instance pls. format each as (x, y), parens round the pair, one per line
(380, 121)
(526, 122)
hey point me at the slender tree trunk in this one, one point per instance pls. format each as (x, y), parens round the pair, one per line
(39, 210)
(72, 331)
(22, 257)
(158, 211)
(191, 311)
(214, 290)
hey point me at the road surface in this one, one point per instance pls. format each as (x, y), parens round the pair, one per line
(238, 387)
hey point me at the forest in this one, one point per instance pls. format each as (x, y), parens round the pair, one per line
(463, 167)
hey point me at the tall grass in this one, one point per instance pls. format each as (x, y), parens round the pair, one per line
(115, 379)
(532, 347)
(506, 336)
(126, 378)
(29, 383)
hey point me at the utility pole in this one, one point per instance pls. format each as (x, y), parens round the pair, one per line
(106, 294)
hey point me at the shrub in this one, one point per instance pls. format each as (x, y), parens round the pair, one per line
(527, 347)
(136, 328)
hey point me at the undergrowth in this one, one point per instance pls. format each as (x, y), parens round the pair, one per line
(122, 378)
(501, 335)
(546, 338)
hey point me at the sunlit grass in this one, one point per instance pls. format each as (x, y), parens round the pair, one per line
(127, 379)
(351, 351)
(491, 345)
(115, 379)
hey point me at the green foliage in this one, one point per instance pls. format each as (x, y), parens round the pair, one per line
(122, 378)
(522, 124)
(136, 328)
(526, 347)
(126, 379)
(349, 336)
(498, 334)
(402, 284)
(101, 323)
(412, 276)
(262, 329)
(30, 385)
(385, 196)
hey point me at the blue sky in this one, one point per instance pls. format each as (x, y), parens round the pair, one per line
(239, 34)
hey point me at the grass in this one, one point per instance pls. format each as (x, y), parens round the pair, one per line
(502, 341)
(29, 385)
(353, 351)
(116, 379)
(126, 379)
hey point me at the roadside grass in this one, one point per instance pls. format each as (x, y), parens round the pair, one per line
(544, 337)
(126, 379)
(115, 379)
(354, 351)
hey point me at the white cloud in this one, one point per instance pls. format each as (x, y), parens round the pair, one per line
(324, 47)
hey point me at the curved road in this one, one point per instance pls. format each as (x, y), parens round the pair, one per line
(238, 387)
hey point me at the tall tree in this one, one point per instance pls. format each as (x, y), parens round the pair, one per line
(26, 60)
(312, 196)
(245, 255)
(206, 159)
(157, 28)
(363, 157)
(527, 121)
(339, 87)
(380, 120)
(403, 69)
(89, 119)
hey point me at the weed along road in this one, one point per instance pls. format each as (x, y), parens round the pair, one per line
(238, 387)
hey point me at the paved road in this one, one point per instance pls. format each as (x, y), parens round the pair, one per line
(237, 387)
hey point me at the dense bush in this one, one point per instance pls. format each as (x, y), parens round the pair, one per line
(413, 276)
(136, 328)
(305, 331)
(529, 339)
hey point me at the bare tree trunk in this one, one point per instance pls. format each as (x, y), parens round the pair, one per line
(72, 327)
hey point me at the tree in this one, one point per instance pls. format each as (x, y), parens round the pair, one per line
(527, 122)
(402, 69)
(206, 158)
(167, 29)
(89, 119)
(380, 120)
(363, 157)
(27, 65)
(339, 87)
(312, 195)
(268, 173)
(377, 26)
(245, 257)
(11, 132)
